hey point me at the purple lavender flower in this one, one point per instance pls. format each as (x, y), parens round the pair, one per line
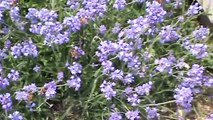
(13, 75)
(1, 70)
(186, 43)
(133, 99)
(32, 88)
(154, 12)
(107, 66)
(144, 89)
(73, 4)
(198, 50)
(137, 27)
(73, 23)
(103, 29)
(178, 3)
(105, 49)
(200, 33)
(181, 18)
(74, 82)
(152, 113)
(95, 8)
(14, 14)
(116, 28)
(50, 89)
(7, 44)
(52, 32)
(129, 78)
(16, 50)
(119, 4)
(84, 14)
(3, 53)
(32, 15)
(128, 91)
(125, 54)
(36, 28)
(5, 30)
(36, 68)
(62, 38)
(147, 56)
(3, 82)
(133, 115)
(1, 15)
(60, 76)
(47, 15)
(196, 70)
(194, 78)
(30, 105)
(134, 62)
(184, 97)
(5, 4)
(137, 44)
(210, 117)
(67, 64)
(194, 9)
(117, 75)
(164, 65)
(107, 89)
(168, 34)
(75, 68)
(16, 116)
(21, 95)
(6, 101)
(208, 81)
(115, 116)
(50, 29)
(29, 49)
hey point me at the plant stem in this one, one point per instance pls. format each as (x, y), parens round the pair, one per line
(6, 115)
(157, 104)
(92, 91)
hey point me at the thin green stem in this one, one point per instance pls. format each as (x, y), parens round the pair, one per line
(93, 90)
(6, 115)
(157, 104)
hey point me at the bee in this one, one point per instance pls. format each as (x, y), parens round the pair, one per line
(73, 53)
(43, 90)
(83, 20)
(14, 2)
(160, 1)
(30, 97)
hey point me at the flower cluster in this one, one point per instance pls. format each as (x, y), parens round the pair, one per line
(133, 115)
(49, 89)
(16, 116)
(168, 34)
(6, 101)
(201, 33)
(115, 116)
(107, 89)
(26, 48)
(165, 64)
(13, 75)
(210, 117)
(194, 9)
(184, 97)
(27, 94)
(75, 80)
(152, 113)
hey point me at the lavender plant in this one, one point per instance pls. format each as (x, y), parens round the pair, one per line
(102, 59)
